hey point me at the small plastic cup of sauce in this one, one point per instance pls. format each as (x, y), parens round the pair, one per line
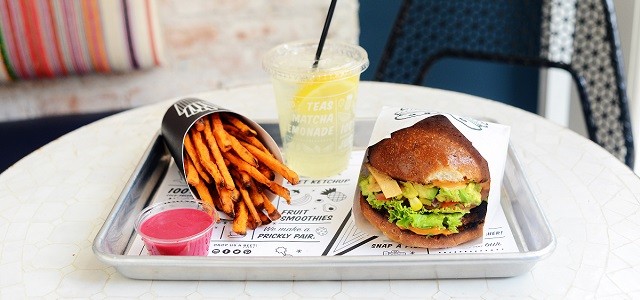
(177, 227)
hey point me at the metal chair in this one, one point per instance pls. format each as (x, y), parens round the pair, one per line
(579, 36)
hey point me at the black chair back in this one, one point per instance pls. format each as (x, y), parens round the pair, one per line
(579, 36)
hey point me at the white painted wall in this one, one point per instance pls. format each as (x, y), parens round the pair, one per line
(628, 13)
(629, 21)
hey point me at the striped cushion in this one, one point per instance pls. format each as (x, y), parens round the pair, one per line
(48, 38)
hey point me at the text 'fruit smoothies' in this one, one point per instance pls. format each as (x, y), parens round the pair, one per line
(316, 103)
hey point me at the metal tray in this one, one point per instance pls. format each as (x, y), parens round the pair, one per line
(531, 231)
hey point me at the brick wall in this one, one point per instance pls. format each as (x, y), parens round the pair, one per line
(208, 44)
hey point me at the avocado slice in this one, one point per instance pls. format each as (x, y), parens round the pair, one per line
(425, 191)
(408, 190)
(470, 194)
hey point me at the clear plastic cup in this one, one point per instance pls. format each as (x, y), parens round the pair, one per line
(177, 227)
(316, 105)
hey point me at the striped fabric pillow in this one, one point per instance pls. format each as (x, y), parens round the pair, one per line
(49, 38)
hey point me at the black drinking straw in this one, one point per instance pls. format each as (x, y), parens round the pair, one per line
(325, 29)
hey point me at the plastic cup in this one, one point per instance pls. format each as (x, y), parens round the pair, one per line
(178, 227)
(316, 105)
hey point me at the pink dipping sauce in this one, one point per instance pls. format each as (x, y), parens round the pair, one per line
(186, 231)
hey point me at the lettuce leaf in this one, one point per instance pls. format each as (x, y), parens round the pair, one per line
(403, 216)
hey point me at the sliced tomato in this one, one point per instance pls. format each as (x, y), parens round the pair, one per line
(380, 196)
(447, 204)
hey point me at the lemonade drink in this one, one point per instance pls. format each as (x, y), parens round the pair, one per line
(317, 125)
(316, 105)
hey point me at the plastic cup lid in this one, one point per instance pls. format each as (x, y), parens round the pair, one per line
(294, 61)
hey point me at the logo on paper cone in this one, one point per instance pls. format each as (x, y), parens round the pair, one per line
(189, 107)
(177, 121)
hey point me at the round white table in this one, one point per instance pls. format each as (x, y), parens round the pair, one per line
(54, 202)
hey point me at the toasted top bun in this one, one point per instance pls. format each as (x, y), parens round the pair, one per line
(431, 151)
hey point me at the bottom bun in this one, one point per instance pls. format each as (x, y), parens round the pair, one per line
(409, 238)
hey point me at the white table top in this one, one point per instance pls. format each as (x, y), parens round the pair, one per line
(54, 202)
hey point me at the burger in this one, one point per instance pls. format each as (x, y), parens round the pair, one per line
(426, 186)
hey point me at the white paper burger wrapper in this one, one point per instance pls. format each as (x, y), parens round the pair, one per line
(183, 114)
(490, 139)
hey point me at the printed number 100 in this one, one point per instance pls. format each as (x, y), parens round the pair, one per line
(178, 190)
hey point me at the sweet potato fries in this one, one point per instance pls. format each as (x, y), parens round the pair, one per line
(229, 167)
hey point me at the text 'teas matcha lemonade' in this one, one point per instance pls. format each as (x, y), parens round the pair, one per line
(316, 105)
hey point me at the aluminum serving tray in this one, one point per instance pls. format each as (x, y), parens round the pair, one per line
(529, 226)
